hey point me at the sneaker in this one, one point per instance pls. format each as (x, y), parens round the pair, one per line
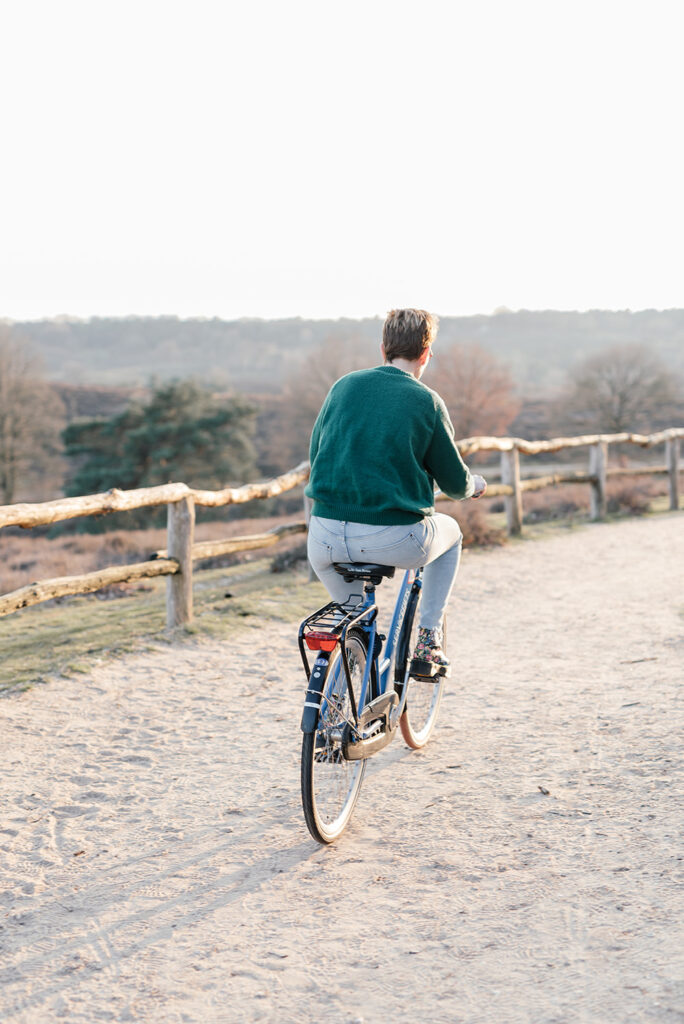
(429, 647)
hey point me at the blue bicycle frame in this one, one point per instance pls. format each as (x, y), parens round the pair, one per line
(362, 616)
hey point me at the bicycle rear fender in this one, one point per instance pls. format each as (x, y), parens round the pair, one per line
(313, 692)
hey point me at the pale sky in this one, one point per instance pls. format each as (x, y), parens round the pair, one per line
(309, 158)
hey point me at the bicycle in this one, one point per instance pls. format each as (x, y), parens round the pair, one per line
(356, 701)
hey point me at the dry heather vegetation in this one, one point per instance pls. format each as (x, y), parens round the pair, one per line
(28, 555)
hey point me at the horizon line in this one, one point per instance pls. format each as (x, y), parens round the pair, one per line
(498, 312)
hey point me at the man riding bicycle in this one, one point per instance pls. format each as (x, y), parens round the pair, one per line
(381, 442)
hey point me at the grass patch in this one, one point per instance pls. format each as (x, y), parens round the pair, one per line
(68, 637)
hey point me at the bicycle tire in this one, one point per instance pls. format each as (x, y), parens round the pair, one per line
(331, 785)
(423, 698)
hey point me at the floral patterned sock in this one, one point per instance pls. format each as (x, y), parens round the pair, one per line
(429, 647)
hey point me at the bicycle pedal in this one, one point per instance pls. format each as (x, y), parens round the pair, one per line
(428, 670)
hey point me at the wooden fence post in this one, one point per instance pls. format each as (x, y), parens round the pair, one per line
(598, 459)
(510, 474)
(180, 536)
(672, 460)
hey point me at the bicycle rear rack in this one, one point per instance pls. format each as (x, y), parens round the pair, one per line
(321, 632)
(327, 626)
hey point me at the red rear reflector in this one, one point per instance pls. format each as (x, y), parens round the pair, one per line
(317, 640)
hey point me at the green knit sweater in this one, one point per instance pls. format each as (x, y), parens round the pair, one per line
(381, 441)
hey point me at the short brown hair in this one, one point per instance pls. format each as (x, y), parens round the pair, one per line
(407, 333)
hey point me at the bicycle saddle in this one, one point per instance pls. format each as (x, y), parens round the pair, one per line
(351, 571)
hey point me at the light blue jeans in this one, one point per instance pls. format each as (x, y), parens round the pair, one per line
(434, 542)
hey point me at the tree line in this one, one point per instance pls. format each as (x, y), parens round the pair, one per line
(211, 437)
(256, 356)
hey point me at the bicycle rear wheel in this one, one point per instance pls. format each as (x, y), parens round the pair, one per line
(423, 696)
(330, 784)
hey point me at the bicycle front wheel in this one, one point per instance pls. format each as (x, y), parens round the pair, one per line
(424, 696)
(330, 784)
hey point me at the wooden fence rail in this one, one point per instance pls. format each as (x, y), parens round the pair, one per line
(47, 512)
(177, 560)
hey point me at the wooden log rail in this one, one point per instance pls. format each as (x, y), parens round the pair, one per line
(249, 542)
(46, 590)
(177, 559)
(47, 512)
(470, 445)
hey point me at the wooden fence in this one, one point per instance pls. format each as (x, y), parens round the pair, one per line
(512, 486)
(177, 560)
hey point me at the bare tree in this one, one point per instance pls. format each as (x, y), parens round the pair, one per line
(31, 416)
(478, 390)
(625, 388)
(290, 421)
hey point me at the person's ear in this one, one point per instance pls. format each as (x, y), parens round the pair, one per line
(382, 351)
(424, 357)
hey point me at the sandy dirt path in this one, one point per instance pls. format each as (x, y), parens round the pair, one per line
(155, 865)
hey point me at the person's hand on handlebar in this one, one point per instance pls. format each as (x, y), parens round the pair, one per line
(480, 485)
